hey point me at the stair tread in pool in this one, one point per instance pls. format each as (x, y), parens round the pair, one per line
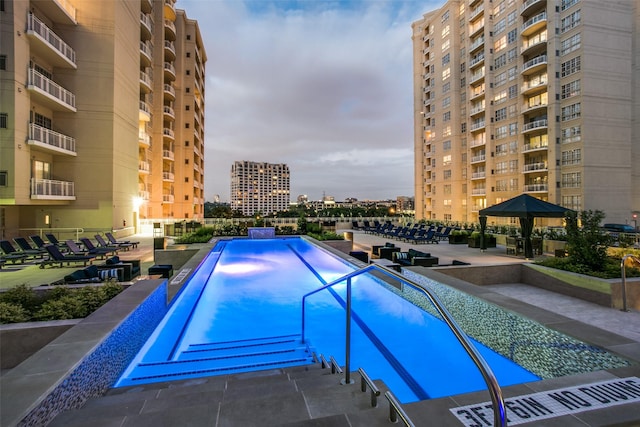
(251, 345)
(230, 359)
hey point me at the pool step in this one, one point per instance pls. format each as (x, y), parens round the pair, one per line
(226, 358)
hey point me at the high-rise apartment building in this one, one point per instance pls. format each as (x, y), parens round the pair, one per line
(260, 188)
(100, 101)
(527, 96)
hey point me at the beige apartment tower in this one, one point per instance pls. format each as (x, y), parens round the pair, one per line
(527, 96)
(260, 188)
(83, 114)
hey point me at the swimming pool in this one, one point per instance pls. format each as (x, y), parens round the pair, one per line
(241, 311)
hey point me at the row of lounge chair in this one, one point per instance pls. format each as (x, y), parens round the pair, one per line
(59, 253)
(418, 233)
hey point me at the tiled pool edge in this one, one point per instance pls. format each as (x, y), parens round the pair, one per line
(84, 361)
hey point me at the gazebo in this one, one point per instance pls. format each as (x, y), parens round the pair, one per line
(526, 208)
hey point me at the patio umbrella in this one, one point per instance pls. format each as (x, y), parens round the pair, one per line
(526, 208)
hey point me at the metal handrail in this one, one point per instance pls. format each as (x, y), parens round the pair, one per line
(364, 381)
(499, 411)
(395, 410)
(624, 278)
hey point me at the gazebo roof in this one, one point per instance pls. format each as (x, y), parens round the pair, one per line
(525, 206)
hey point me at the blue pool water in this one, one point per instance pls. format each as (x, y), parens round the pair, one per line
(246, 297)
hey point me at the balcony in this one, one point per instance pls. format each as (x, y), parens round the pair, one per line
(477, 92)
(169, 30)
(532, 86)
(145, 82)
(479, 175)
(534, 64)
(476, 60)
(477, 76)
(168, 155)
(479, 158)
(534, 43)
(146, 6)
(528, 107)
(477, 43)
(477, 142)
(535, 167)
(168, 176)
(143, 167)
(50, 94)
(477, 109)
(537, 146)
(51, 141)
(169, 51)
(144, 114)
(170, 9)
(47, 44)
(475, 13)
(478, 191)
(168, 133)
(168, 198)
(476, 28)
(144, 195)
(59, 11)
(146, 26)
(169, 92)
(535, 125)
(168, 112)
(169, 72)
(477, 125)
(534, 24)
(532, 5)
(49, 189)
(145, 54)
(144, 138)
(536, 188)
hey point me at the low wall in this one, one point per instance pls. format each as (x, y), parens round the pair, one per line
(176, 257)
(21, 340)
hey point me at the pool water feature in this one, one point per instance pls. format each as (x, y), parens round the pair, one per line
(241, 311)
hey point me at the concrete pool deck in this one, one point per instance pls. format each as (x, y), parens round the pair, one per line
(608, 328)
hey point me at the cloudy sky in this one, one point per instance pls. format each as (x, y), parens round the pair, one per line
(323, 86)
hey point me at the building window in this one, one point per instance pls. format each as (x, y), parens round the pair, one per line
(188, 36)
(512, 17)
(513, 166)
(499, 27)
(446, 131)
(187, 107)
(186, 125)
(571, 134)
(512, 35)
(186, 197)
(571, 157)
(463, 127)
(186, 179)
(500, 79)
(571, 180)
(3, 62)
(570, 44)
(4, 120)
(188, 72)
(446, 101)
(446, 45)
(512, 73)
(501, 132)
(570, 21)
(447, 174)
(446, 116)
(501, 167)
(513, 91)
(513, 129)
(501, 114)
(500, 97)
(566, 4)
(500, 61)
(4, 179)
(572, 202)
(570, 112)
(570, 67)
(188, 54)
(570, 89)
(446, 87)
(446, 73)
(446, 160)
(500, 44)
(188, 90)
(446, 59)
(446, 145)
(445, 31)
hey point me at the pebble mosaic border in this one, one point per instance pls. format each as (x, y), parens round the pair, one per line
(102, 367)
(545, 352)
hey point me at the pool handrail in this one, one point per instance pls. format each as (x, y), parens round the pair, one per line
(495, 391)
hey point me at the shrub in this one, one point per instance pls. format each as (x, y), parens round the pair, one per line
(587, 246)
(66, 307)
(21, 295)
(326, 235)
(12, 313)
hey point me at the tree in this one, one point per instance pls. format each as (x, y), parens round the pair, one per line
(587, 242)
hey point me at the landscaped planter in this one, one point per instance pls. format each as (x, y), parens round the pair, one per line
(345, 246)
(474, 241)
(458, 239)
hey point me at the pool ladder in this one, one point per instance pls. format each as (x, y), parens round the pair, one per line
(497, 399)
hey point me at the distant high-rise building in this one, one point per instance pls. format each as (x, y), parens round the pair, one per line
(259, 187)
(527, 96)
(101, 114)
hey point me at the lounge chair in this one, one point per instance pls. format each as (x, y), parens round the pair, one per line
(93, 249)
(37, 240)
(11, 255)
(54, 241)
(103, 244)
(10, 251)
(57, 257)
(425, 236)
(445, 234)
(76, 250)
(26, 248)
(116, 242)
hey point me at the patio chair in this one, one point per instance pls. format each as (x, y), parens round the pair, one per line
(11, 255)
(76, 250)
(54, 241)
(103, 244)
(26, 248)
(57, 257)
(37, 240)
(113, 240)
(10, 251)
(92, 249)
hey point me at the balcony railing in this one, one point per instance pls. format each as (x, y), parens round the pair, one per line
(145, 78)
(166, 154)
(476, 59)
(144, 195)
(477, 108)
(528, 3)
(536, 188)
(535, 125)
(539, 17)
(143, 166)
(532, 167)
(38, 27)
(478, 191)
(169, 111)
(535, 61)
(51, 89)
(475, 12)
(477, 125)
(169, 89)
(478, 175)
(170, 68)
(144, 107)
(144, 138)
(170, 25)
(535, 146)
(168, 198)
(477, 142)
(145, 47)
(168, 132)
(480, 158)
(477, 43)
(169, 45)
(52, 189)
(168, 176)
(532, 85)
(476, 76)
(52, 138)
(146, 21)
(532, 106)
